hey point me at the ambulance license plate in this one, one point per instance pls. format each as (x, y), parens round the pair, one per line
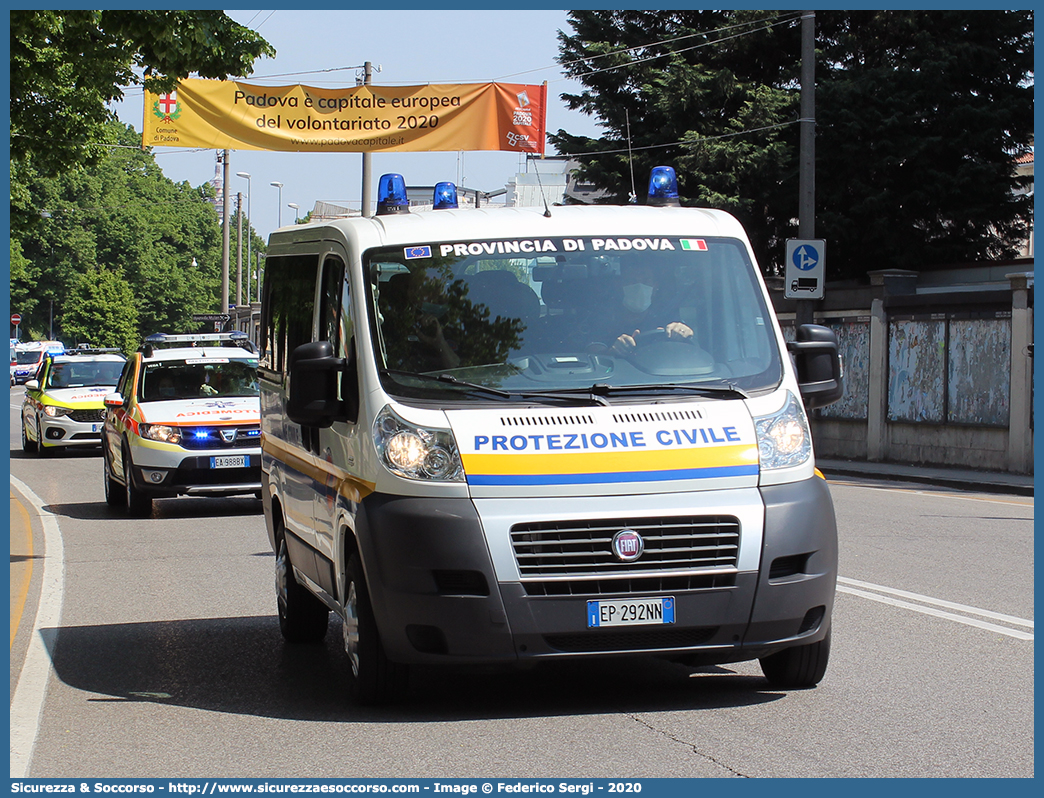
(630, 612)
(230, 461)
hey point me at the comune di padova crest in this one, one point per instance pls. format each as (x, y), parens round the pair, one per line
(166, 107)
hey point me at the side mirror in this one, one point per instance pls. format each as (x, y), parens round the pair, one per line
(313, 398)
(32, 385)
(113, 400)
(818, 365)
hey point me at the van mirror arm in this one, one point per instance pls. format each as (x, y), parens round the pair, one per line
(818, 365)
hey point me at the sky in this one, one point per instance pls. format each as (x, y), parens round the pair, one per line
(411, 47)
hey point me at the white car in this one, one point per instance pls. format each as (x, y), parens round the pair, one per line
(64, 401)
(184, 420)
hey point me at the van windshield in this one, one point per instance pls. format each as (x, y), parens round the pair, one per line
(569, 314)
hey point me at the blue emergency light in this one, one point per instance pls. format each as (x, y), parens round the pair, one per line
(391, 195)
(663, 187)
(445, 196)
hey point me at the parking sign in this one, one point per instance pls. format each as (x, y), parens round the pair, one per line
(804, 272)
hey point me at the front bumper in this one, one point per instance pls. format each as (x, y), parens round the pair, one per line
(437, 597)
(69, 431)
(161, 473)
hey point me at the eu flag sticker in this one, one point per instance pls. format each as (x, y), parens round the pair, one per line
(417, 252)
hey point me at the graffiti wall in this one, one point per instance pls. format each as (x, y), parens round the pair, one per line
(978, 388)
(916, 370)
(853, 342)
(949, 370)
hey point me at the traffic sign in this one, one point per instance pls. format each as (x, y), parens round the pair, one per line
(805, 273)
(16, 319)
(210, 317)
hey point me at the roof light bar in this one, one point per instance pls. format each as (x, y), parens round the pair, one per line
(445, 196)
(663, 187)
(391, 195)
(163, 338)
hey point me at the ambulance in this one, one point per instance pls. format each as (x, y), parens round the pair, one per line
(183, 420)
(517, 435)
(64, 402)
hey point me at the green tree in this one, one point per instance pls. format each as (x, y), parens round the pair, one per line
(101, 311)
(67, 65)
(123, 215)
(919, 115)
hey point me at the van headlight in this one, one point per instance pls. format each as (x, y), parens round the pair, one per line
(160, 432)
(784, 439)
(416, 452)
(54, 411)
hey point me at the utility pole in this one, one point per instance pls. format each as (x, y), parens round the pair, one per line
(239, 244)
(225, 237)
(807, 157)
(367, 157)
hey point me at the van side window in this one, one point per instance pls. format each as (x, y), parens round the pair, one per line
(334, 320)
(286, 308)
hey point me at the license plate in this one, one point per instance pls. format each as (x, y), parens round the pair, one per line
(230, 461)
(630, 612)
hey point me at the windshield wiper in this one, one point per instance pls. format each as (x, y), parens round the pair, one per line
(447, 378)
(474, 386)
(724, 389)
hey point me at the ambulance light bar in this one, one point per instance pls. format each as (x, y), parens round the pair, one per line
(163, 338)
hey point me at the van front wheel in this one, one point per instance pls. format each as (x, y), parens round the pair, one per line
(799, 666)
(375, 680)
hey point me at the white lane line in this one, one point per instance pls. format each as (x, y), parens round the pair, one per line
(31, 690)
(950, 605)
(949, 616)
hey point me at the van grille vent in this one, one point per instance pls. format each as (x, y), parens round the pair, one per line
(669, 415)
(544, 421)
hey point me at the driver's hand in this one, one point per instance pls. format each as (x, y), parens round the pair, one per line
(625, 343)
(677, 329)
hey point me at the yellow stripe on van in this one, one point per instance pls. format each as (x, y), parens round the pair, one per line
(610, 462)
(321, 471)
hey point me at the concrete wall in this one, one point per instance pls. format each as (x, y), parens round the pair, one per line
(934, 374)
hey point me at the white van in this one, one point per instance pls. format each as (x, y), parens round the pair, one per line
(505, 435)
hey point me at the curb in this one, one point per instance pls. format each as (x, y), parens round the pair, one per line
(984, 481)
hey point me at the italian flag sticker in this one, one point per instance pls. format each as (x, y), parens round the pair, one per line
(694, 244)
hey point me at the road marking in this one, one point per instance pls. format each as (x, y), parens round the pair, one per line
(1027, 502)
(933, 603)
(31, 690)
(19, 599)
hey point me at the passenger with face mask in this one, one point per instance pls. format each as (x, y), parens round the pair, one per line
(643, 311)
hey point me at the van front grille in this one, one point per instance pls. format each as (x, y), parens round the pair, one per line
(684, 546)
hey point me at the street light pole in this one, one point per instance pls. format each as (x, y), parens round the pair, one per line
(279, 202)
(295, 206)
(246, 176)
(260, 258)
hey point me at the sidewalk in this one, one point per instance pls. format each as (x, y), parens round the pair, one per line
(963, 478)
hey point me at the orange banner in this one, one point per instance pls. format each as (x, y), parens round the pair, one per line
(217, 114)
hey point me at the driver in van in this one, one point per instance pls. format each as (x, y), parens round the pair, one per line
(646, 306)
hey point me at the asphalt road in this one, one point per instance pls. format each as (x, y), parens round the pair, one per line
(164, 659)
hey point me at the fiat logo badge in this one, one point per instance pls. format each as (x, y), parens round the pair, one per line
(627, 545)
